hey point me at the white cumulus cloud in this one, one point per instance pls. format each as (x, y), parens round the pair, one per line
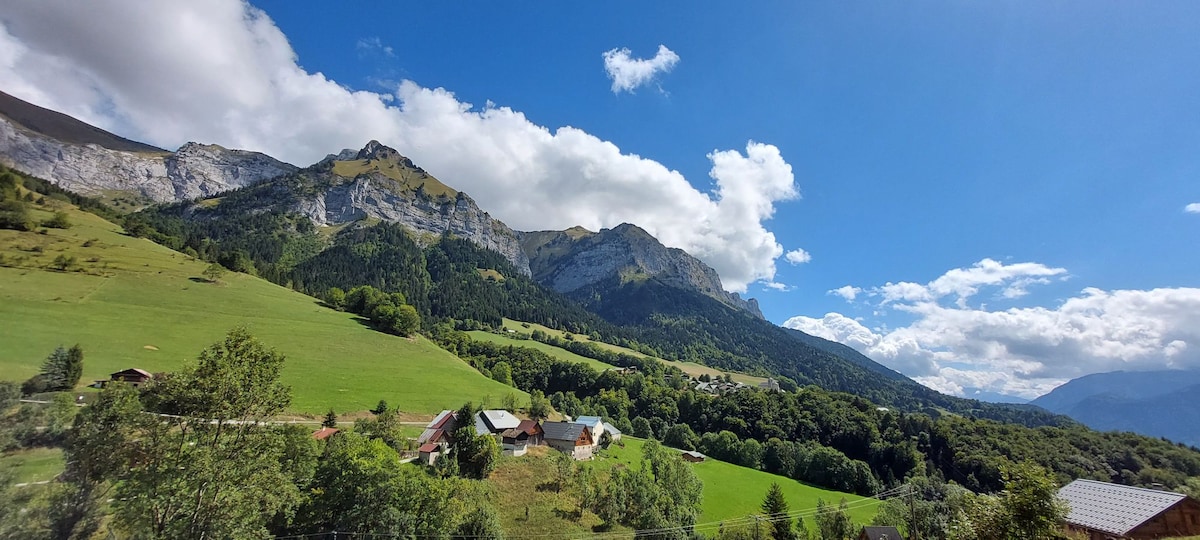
(221, 72)
(848, 292)
(798, 256)
(1021, 351)
(1193, 208)
(628, 73)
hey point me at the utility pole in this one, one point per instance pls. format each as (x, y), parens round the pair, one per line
(913, 532)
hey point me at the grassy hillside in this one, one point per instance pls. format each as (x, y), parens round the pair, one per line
(132, 303)
(691, 368)
(561, 354)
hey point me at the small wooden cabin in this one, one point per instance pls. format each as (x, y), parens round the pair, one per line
(1103, 510)
(692, 456)
(132, 376)
(574, 439)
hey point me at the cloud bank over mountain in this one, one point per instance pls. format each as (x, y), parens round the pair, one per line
(954, 342)
(222, 72)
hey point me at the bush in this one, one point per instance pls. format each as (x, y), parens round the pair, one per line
(59, 221)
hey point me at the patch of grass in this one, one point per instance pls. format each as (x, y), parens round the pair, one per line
(561, 354)
(488, 273)
(516, 483)
(732, 491)
(409, 178)
(35, 464)
(144, 294)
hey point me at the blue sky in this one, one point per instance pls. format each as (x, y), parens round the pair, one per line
(1023, 167)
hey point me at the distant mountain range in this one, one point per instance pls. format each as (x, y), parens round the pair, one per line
(1154, 403)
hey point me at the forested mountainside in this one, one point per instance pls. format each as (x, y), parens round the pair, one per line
(451, 278)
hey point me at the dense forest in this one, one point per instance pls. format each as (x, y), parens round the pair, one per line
(832, 439)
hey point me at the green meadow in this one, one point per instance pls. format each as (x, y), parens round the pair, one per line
(561, 354)
(692, 369)
(732, 492)
(132, 303)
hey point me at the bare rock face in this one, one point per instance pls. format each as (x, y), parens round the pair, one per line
(193, 171)
(573, 259)
(376, 196)
(377, 182)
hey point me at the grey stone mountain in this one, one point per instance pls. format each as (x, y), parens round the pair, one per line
(91, 161)
(379, 183)
(570, 260)
(375, 182)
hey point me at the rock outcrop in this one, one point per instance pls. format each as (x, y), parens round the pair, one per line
(377, 182)
(573, 259)
(90, 161)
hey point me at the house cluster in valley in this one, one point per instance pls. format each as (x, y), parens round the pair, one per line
(578, 438)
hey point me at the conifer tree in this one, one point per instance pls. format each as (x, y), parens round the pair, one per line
(776, 509)
(330, 420)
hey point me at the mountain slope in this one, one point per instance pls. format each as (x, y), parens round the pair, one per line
(1154, 403)
(570, 260)
(132, 303)
(375, 184)
(64, 128)
(90, 161)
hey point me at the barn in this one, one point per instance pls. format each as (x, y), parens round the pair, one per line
(1103, 511)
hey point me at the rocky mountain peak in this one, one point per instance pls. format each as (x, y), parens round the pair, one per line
(577, 259)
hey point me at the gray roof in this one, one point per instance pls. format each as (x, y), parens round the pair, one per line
(589, 421)
(1114, 508)
(611, 429)
(882, 533)
(562, 431)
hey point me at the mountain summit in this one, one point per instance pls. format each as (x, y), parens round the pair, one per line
(576, 260)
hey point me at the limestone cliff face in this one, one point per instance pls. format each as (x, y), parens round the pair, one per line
(377, 182)
(570, 260)
(193, 171)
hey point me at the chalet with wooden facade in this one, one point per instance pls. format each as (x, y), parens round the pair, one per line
(1106, 511)
(516, 441)
(574, 439)
(692, 456)
(132, 376)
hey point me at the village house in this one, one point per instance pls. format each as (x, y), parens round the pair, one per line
(132, 376)
(324, 433)
(516, 441)
(692, 456)
(429, 452)
(439, 429)
(879, 533)
(569, 437)
(1102, 511)
(495, 422)
(612, 431)
(595, 424)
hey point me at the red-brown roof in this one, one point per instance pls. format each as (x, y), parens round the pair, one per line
(428, 448)
(324, 433)
(530, 426)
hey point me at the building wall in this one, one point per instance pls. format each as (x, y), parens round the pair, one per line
(1183, 519)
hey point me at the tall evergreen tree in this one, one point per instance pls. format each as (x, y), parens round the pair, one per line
(776, 509)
